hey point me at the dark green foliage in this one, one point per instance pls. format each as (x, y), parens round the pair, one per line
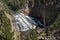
(6, 28)
(55, 26)
(34, 34)
(6, 8)
(15, 4)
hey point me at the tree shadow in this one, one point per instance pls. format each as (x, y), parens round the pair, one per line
(51, 13)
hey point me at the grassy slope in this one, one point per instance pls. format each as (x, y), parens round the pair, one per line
(6, 28)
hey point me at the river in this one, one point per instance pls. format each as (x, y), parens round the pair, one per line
(24, 23)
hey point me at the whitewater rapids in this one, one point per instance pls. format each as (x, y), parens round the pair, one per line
(24, 23)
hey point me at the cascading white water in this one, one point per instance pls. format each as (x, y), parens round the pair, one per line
(24, 23)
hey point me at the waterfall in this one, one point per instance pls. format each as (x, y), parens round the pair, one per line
(24, 23)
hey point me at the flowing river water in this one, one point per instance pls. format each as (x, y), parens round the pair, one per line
(24, 23)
